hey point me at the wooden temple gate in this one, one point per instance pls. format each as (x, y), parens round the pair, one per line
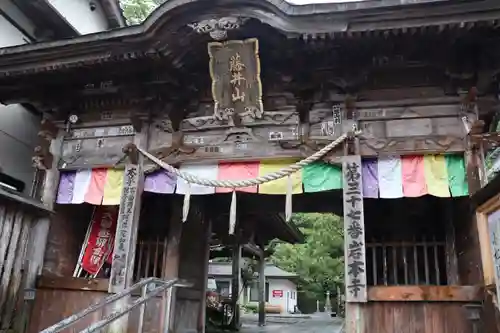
(278, 83)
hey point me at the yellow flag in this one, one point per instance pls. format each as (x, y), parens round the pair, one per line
(113, 187)
(436, 175)
(279, 186)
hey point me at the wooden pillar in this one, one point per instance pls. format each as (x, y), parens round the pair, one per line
(236, 281)
(262, 290)
(452, 274)
(171, 264)
(203, 297)
(38, 235)
(127, 228)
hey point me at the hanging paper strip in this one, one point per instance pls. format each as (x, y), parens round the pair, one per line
(321, 176)
(66, 187)
(161, 181)
(457, 175)
(101, 239)
(279, 186)
(370, 178)
(97, 187)
(113, 187)
(389, 177)
(436, 175)
(82, 183)
(413, 176)
(95, 191)
(205, 171)
(238, 171)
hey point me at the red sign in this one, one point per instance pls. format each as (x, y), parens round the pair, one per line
(101, 238)
(277, 293)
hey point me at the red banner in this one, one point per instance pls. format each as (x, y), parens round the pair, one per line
(101, 240)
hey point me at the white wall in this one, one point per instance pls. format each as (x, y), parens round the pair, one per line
(9, 35)
(78, 14)
(289, 299)
(18, 126)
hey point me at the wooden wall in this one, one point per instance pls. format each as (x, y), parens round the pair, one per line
(54, 304)
(17, 249)
(414, 317)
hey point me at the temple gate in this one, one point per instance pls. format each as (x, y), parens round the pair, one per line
(209, 125)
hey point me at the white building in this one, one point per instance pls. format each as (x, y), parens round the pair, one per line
(30, 21)
(281, 289)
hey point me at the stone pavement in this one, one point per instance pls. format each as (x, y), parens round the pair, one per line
(312, 324)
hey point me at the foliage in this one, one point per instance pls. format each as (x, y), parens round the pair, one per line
(136, 11)
(319, 262)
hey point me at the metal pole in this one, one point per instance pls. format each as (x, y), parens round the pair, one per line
(168, 308)
(142, 310)
(115, 315)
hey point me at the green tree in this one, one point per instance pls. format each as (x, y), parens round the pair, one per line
(136, 11)
(319, 261)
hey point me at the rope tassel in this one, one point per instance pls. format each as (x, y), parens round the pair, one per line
(288, 202)
(185, 207)
(232, 214)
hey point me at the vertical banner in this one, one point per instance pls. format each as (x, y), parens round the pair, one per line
(494, 230)
(354, 230)
(101, 239)
(126, 215)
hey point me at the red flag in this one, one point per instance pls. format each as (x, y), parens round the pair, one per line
(101, 238)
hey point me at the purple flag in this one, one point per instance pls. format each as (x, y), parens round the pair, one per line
(370, 178)
(160, 182)
(66, 186)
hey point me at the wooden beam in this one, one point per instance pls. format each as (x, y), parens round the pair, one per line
(426, 293)
(72, 283)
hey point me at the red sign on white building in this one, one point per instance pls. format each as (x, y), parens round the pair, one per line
(277, 293)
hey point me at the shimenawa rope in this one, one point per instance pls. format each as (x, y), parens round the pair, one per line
(287, 171)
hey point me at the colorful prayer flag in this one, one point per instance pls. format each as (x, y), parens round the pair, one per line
(389, 177)
(320, 176)
(436, 175)
(370, 178)
(203, 171)
(238, 171)
(413, 176)
(457, 175)
(279, 186)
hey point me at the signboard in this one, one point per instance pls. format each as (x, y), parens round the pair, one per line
(235, 73)
(277, 293)
(124, 228)
(354, 230)
(101, 238)
(494, 230)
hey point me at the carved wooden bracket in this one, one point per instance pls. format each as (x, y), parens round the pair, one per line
(42, 158)
(48, 131)
(131, 151)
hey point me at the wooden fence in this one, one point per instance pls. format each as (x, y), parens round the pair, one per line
(18, 218)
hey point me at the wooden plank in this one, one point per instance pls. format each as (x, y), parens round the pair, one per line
(93, 152)
(72, 283)
(411, 146)
(426, 293)
(354, 230)
(486, 249)
(452, 273)
(494, 237)
(8, 226)
(15, 291)
(10, 258)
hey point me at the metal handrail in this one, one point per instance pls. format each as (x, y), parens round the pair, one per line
(163, 286)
